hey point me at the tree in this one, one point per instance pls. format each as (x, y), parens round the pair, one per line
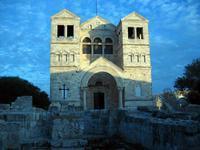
(13, 87)
(190, 81)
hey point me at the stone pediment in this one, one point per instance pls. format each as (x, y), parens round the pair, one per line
(97, 23)
(65, 14)
(103, 62)
(102, 65)
(135, 16)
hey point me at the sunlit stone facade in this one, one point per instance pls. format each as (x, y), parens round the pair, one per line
(97, 65)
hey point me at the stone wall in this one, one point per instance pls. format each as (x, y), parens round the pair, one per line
(21, 124)
(156, 133)
(71, 127)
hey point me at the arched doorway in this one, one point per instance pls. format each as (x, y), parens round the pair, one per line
(112, 74)
(102, 92)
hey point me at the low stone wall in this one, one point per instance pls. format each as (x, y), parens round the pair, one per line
(68, 131)
(17, 129)
(156, 133)
(26, 127)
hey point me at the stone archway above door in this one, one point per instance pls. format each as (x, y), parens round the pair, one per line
(102, 65)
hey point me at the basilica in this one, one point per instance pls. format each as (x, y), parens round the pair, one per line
(98, 65)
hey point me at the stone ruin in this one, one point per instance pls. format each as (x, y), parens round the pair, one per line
(25, 127)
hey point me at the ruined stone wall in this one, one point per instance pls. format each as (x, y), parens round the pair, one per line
(21, 124)
(27, 127)
(156, 133)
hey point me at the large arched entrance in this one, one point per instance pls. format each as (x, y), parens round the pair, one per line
(103, 80)
(102, 92)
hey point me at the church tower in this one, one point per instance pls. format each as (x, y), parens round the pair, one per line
(135, 56)
(65, 55)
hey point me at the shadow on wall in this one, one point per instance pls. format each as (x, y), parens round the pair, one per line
(102, 88)
(101, 40)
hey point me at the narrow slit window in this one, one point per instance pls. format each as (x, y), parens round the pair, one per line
(70, 31)
(66, 59)
(131, 32)
(144, 57)
(131, 58)
(140, 33)
(72, 57)
(58, 57)
(60, 31)
(138, 58)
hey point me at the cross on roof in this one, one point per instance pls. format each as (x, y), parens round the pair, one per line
(64, 89)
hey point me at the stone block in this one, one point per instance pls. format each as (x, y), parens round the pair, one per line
(23, 103)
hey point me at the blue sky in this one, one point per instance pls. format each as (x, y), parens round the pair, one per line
(25, 34)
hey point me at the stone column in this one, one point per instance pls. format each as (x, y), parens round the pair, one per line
(135, 32)
(92, 49)
(103, 48)
(65, 30)
(120, 102)
(85, 98)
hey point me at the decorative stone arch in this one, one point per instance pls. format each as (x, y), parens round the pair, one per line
(97, 36)
(104, 39)
(110, 37)
(85, 36)
(117, 76)
(97, 69)
(55, 55)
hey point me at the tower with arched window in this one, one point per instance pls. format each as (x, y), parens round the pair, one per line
(98, 65)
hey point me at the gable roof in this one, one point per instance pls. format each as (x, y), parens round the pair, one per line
(97, 18)
(134, 16)
(102, 61)
(66, 14)
(103, 65)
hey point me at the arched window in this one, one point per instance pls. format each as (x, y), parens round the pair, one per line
(87, 46)
(97, 46)
(108, 46)
(109, 40)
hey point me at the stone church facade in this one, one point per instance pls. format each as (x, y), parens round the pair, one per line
(97, 65)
